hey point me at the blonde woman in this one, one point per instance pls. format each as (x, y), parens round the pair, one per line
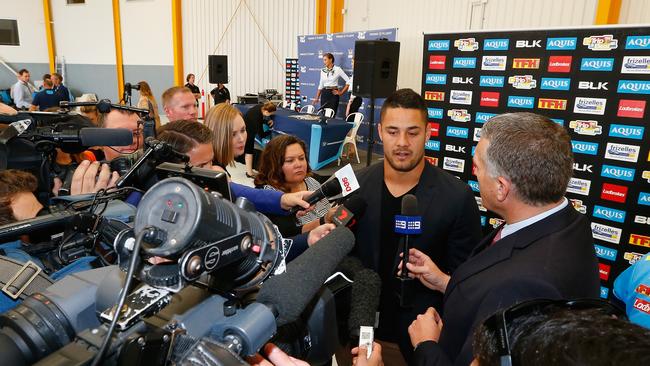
(229, 130)
(148, 101)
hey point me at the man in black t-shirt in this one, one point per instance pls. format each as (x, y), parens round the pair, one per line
(193, 88)
(221, 94)
(450, 217)
(46, 98)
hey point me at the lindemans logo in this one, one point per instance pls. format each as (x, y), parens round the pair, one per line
(613, 192)
(589, 105)
(453, 164)
(482, 117)
(621, 152)
(606, 233)
(617, 172)
(586, 127)
(555, 84)
(466, 44)
(633, 87)
(489, 99)
(473, 185)
(559, 63)
(561, 44)
(555, 104)
(460, 97)
(605, 252)
(579, 186)
(438, 45)
(459, 115)
(597, 64)
(635, 65)
(432, 145)
(436, 79)
(515, 101)
(584, 147)
(500, 44)
(458, 132)
(437, 62)
(522, 82)
(435, 113)
(525, 63)
(490, 81)
(637, 43)
(631, 108)
(494, 63)
(644, 198)
(464, 63)
(606, 42)
(610, 214)
(437, 96)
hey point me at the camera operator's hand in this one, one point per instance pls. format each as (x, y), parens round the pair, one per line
(426, 327)
(360, 358)
(276, 357)
(289, 200)
(86, 179)
(319, 232)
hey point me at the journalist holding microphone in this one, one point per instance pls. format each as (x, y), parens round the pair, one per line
(328, 87)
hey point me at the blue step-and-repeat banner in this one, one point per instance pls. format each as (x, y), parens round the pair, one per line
(311, 49)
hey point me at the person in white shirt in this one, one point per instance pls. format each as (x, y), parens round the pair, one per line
(328, 88)
(22, 90)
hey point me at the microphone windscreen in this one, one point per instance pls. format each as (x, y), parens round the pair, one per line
(350, 266)
(331, 188)
(364, 300)
(409, 205)
(105, 136)
(290, 292)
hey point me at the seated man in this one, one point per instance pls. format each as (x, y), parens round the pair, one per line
(21, 91)
(46, 98)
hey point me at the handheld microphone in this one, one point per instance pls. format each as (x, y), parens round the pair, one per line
(407, 224)
(288, 294)
(341, 184)
(349, 212)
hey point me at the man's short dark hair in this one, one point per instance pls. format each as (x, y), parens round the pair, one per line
(559, 336)
(184, 135)
(22, 71)
(407, 99)
(101, 117)
(12, 182)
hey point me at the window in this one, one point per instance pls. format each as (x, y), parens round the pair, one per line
(9, 32)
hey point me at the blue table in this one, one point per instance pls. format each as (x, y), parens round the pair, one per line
(323, 141)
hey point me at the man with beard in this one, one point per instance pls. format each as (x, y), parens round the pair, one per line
(450, 218)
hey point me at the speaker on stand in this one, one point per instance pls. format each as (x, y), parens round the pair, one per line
(218, 69)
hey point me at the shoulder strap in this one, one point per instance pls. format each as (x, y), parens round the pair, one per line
(20, 280)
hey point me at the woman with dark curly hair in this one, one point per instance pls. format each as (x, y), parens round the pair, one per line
(283, 167)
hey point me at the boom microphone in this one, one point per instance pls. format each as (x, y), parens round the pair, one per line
(288, 294)
(342, 183)
(89, 136)
(104, 106)
(51, 222)
(364, 301)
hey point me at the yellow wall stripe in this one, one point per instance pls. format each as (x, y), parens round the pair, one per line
(49, 34)
(177, 35)
(321, 16)
(608, 12)
(117, 30)
(336, 16)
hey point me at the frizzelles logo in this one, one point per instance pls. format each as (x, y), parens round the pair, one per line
(606, 42)
(561, 44)
(617, 172)
(606, 233)
(579, 186)
(500, 44)
(515, 101)
(635, 65)
(460, 97)
(621, 152)
(631, 108)
(589, 105)
(586, 127)
(613, 192)
(555, 104)
(437, 96)
(453, 164)
(466, 44)
(489, 99)
(437, 62)
(559, 64)
(494, 63)
(525, 63)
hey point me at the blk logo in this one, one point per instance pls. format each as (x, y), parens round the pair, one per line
(529, 44)
(583, 167)
(590, 85)
(462, 80)
(456, 149)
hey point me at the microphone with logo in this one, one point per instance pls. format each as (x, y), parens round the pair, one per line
(349, 212)
(407, 224)
(341, 184)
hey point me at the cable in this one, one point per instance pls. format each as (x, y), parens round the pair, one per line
(129, 278)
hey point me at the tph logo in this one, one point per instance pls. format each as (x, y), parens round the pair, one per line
(529, 44)
(590, 85)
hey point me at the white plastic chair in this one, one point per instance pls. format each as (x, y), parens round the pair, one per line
(328, 112)
(287, 104)
(351, 137)
(308, 109)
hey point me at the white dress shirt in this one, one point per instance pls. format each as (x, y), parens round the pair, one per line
(513, 228)
(330, 79)
(21, 92)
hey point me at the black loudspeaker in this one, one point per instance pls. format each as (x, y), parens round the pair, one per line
(218, 65)
(375, 68)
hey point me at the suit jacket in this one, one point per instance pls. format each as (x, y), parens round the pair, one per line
(451, 227)
(552, 258)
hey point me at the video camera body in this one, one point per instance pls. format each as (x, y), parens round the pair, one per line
(204, 258)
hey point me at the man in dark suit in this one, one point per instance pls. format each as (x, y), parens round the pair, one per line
(523, 163)
(450, 217)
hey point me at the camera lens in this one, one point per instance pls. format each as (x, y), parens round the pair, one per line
(33, 330)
